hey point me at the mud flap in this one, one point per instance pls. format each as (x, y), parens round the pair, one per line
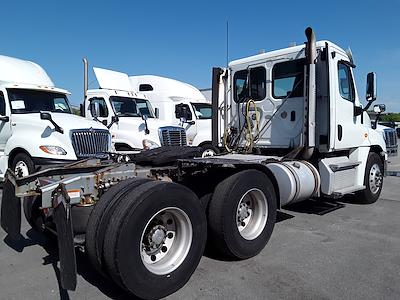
(10, 209)
(65, 238)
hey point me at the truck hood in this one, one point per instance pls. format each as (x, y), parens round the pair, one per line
(133, 129)
(66, 121)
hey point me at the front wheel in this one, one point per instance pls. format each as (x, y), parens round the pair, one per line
(373, 180)
(22, 165)
(208, 150)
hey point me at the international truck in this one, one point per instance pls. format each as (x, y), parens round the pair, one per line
(37, 128)
(127, 113)
(169, 96)
(293, 128)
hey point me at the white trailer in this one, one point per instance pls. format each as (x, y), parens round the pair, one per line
(168, 96)
(128, 114)
(37, 127)
(292, 127)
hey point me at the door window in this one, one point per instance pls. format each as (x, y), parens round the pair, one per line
(346, 87)
(287, 79)
(257, 84)
(101, 103)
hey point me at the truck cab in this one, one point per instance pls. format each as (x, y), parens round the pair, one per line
(301, 102)
(37, 127)
(128, 114)
(167, 94)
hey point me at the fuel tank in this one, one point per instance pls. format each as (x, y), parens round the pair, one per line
(297, 180)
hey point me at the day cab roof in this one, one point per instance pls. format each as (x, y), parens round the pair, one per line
(24, 74)
(113, 83)
(169, 87)
(271, 55)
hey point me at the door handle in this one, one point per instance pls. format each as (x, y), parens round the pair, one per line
(340, 132)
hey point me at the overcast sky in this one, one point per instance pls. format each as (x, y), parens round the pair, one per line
(185, 39)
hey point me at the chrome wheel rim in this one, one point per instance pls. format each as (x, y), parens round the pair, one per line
(252, 214)
(21, 169)
(208, 153)
(166, 240)
(375, 179)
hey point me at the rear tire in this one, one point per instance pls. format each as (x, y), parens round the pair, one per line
(139, 230)
(100, 217)
(242, 214)
(373, 180)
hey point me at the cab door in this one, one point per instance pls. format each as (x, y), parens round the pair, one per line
(350, 131)
(5, 124)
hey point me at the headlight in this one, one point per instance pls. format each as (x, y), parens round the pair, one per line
(55, 150)
(147, 144)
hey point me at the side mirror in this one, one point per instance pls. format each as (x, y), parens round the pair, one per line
(183, 111)
(371, 87)
(94, 109)
(379, 108)
(45, 116)
(157, 112)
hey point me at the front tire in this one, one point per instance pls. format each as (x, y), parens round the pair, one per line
(242, 214)
(208, 150)
(373, 180)
(22, 165)
(155, 239)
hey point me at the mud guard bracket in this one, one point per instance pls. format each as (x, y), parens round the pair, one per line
(65, 237)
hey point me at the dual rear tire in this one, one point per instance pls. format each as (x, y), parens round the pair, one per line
(149, 238)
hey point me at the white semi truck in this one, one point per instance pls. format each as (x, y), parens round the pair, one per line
(292, 127)
(37, 127)
(169, 96)
(128, 114)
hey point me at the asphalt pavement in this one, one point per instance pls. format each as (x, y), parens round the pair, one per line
(349, 253)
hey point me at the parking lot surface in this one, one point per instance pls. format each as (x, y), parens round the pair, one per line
(349, 253)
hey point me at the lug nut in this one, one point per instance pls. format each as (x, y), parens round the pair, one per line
(153, 258)
(170, 235)
(164, 249)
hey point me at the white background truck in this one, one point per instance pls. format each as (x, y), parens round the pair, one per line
(165, 94)
(128, 114)
(36, 124)
(293, 129)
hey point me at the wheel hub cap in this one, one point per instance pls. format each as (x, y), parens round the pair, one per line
(375, 179)
(252, 214)
(166, 240)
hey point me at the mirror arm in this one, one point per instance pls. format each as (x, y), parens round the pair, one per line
(367, 106)
(57, 127)
(113, 121)
(376, 120)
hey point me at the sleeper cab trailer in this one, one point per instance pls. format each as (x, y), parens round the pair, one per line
(151, 217)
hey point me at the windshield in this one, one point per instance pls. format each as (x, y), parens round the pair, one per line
(33, 101)
(131, 107)
(202, 110)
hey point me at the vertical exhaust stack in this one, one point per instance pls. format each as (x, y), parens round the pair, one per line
(310, 105)
(85, 77)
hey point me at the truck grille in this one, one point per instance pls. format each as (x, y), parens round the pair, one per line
(90, 142)
(172, 136)
(390, 137)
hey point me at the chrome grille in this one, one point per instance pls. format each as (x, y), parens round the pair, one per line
(90, 142)
(390, 137)
(172, 136)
